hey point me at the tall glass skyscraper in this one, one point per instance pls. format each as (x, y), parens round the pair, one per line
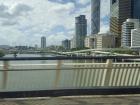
(120, 11)
(135, 9)
(80, 31)
(95, 16)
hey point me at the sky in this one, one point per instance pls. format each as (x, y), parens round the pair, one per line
(23, 22)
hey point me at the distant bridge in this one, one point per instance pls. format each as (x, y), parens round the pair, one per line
(106, 51)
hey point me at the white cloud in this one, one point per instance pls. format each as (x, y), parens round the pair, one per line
(105, 13)
(104, 28)
(83, 2)
(25, 21)
(105, 8)
(10, 15)
(63, 7)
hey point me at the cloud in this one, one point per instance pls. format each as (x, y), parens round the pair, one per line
(105, 8)
(9, 15)
(61, 7)
(105, 14)
(21, 9)
(83, 2)
(4, 12)
(9, 23)
(23, 22)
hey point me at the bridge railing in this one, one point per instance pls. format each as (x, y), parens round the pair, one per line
(63, 73)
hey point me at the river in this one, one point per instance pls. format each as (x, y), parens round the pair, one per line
(33, 80)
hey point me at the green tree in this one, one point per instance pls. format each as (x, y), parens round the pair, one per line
(2, 53)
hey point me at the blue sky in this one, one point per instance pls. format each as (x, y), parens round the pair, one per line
(23, 22)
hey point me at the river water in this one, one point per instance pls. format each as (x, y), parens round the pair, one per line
(34, 80)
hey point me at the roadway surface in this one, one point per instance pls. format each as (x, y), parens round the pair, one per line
(81, 100)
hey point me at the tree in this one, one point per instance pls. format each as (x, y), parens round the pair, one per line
(2, 53)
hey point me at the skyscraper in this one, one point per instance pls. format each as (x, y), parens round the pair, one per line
(66, 44)
(80, 31)
(43, 42)
(127, 27)
(135, 38)
(95, 16)
(135, 9)
(120, 11)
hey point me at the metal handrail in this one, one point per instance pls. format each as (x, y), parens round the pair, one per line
(68, 58)
(87, 78)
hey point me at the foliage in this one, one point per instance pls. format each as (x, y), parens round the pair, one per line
(124, 51)
(76, 49)
(2, 53)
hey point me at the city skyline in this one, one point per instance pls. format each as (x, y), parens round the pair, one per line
(24, 22)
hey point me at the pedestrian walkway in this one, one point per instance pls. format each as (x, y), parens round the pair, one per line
(81, 100)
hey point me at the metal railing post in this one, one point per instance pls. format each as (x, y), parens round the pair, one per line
(58, 70)
(108, 73)
(5, 73)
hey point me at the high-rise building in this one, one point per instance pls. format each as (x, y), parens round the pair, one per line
(66, 44)
(135, 38)
(95, 16)
(43, 42)
(80, 31)
(135, 9)
(120, 11)
(127, 26)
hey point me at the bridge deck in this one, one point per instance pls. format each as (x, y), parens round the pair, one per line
(81, 100)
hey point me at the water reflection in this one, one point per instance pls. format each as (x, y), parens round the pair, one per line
(43, 55)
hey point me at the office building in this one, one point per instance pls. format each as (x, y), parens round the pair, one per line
(95, 16)
(105, 41)
(135, 9)
(120, 11)
(135, 38)
(127, 26)
(90, 42)
(43, 42)
(66, 44)
(80, 31)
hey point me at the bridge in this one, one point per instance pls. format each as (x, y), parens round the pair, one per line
(105, 51)
(82, 77)
(86, 52)
(85, 74)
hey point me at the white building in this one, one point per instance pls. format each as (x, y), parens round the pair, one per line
(90, 41)
(135, 38)
(127, 26)
(72, 43)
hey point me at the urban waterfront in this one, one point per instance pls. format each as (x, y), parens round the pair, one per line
(47, 74)
(33, 79)
(52, 48)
